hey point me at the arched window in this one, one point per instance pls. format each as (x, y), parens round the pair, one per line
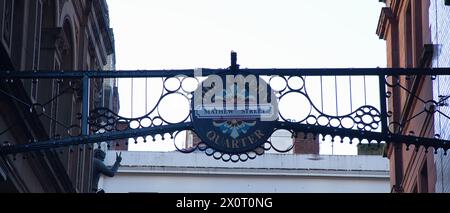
(67, 50)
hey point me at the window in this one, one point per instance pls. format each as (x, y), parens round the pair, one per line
(423, 178)
(409, 45)
(408, 42)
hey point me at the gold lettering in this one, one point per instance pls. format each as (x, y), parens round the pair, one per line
(251, 139)
(217, 139)
(211, 135)
(235, 144)
(227, 143)
(259, 134)
(244, 142)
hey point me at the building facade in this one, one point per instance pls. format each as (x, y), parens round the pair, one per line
(174, 172)
(405, 27)
(51, 35)
(439, 14)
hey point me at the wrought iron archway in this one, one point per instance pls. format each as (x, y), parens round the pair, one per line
(366, 122)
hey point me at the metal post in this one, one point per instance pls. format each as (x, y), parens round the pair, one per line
(234, 66)
(383, 106)
(85, 107)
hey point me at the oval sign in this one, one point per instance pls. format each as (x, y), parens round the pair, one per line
(234, 114)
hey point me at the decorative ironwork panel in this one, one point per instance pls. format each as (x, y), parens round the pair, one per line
(300, 101)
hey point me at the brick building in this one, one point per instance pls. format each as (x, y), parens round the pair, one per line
(405, 27)
(50, 35)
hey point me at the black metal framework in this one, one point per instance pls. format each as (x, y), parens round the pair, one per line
(366, 122)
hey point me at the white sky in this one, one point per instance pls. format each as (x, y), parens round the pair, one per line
(175, 34)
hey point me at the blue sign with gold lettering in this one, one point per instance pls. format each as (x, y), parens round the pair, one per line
(233, 114)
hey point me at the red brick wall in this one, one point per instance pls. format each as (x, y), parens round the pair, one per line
(120, 144)
(310, 145)
(404, 48)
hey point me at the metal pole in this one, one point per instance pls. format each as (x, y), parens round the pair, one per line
(296, 127)
(94, 138)
(383, 106)
(85, 107)
(190, 72)
(234, 66)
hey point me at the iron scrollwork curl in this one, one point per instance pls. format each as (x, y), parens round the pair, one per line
(175, 91)
(364, 118)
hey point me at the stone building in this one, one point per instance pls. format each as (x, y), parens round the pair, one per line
(50, 35)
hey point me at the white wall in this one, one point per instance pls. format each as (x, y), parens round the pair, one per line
(196, 172)
(234, 184)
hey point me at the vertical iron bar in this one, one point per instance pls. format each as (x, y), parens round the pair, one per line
(383, 105)
(336, 93)
(321, 92)
(146, 91)
(365, 92)
(102, 91)
(131, 96)
(351, 94)
(85, 106)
